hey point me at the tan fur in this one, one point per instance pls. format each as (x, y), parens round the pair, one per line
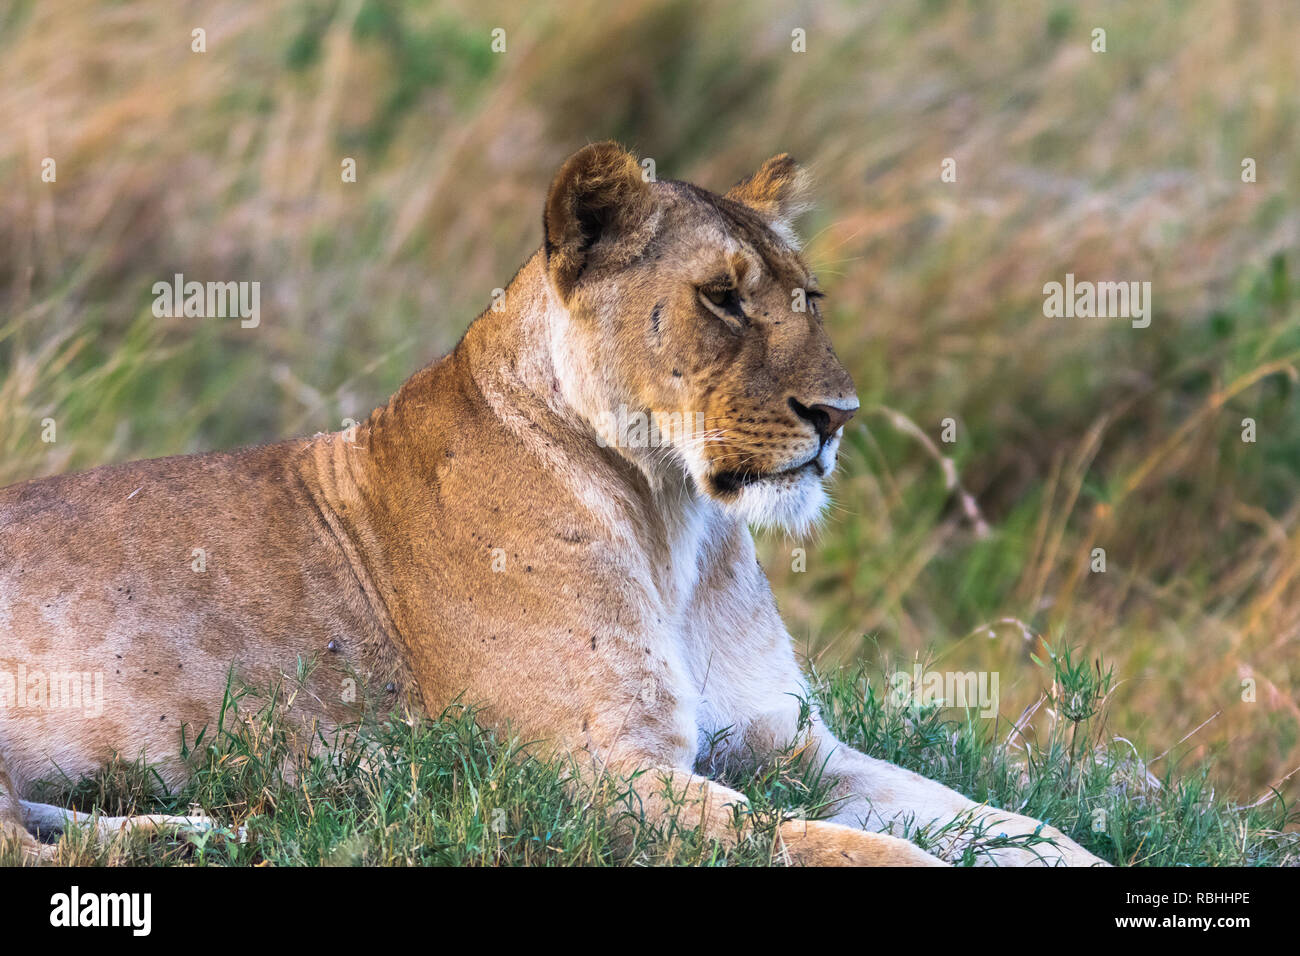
(475, 539)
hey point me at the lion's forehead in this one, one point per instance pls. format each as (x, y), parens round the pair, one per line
(708, 224)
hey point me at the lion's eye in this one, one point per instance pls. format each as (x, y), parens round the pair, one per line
(724, 302)
(723, 298)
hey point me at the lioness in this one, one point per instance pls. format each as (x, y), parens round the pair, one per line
(491, 535)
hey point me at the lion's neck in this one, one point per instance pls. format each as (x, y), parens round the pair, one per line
(519, 355)
(530, 372)
(513, 374)
(529, 362)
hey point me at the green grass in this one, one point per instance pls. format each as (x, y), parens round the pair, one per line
(448, 792)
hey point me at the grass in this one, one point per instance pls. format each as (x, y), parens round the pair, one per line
(1071, 435)
(446, 791)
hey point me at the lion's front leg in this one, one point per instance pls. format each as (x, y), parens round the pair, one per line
(666, 797)
(878, 795)
(753, 694)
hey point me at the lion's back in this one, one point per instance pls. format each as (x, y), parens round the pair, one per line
(154, 578)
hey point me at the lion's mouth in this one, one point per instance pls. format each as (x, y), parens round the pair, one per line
(730, 482)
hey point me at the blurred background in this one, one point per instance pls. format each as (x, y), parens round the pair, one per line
(1071, 434)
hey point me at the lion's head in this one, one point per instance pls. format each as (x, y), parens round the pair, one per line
(694, 335)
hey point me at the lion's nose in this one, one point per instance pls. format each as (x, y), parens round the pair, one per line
(827, 419)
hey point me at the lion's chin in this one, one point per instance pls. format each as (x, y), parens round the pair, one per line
(791, 500)
(790, 503)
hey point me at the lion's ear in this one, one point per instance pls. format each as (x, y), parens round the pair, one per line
(778, 191)
(598, 197)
